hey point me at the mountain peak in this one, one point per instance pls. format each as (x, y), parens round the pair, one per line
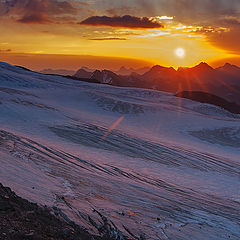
(159, 71)
(227, 65)
(200, 68)
(230, 69)
(158, 68)
(203, 66)
(122, 68)
(230, 66)
(104, 76)
(82, 73)
(161, 67)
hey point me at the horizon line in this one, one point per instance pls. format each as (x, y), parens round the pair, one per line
(109, 69)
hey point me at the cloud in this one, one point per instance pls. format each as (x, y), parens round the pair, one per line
(37, 11)
(164, 18)
(108, 39)
(190, 11)
(224, 33)
(126, 21)
(37, 18)
(219, 19)
(227, 40)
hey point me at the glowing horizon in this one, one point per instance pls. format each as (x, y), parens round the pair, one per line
(79, 28)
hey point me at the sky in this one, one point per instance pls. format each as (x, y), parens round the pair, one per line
(108, 34)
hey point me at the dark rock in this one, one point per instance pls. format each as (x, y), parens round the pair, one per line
(209, 98)
(23, 220)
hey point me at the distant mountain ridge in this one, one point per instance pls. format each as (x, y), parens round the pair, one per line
(230, 69)
(82, 73)
(128, 71)
(123, 71)
(223, 81)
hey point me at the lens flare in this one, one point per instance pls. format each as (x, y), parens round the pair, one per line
(112, 127)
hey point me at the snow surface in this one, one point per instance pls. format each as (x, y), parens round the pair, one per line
(169, 170)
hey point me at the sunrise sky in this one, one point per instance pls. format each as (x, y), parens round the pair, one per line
(68, 34)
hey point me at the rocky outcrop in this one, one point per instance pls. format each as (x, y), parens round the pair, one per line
(21, 219)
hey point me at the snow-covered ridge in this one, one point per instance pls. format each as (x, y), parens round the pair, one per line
(169, 170)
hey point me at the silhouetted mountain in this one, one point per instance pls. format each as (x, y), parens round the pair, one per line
(124, 71)
(109, 77)
(159, 71)
(88, 69)
(106, 77)
(199, 78)
(82, 73)
(210, 99)
(202, 68)
(128, 71)
(223, 81)
(160, 78)
(195, 74)
(230, 69)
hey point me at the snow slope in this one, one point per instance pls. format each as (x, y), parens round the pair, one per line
(169, 170)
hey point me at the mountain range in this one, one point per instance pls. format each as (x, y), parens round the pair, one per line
(223, 81)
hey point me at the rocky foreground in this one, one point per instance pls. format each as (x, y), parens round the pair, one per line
(21, 219)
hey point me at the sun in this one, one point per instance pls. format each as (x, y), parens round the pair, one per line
(180, 52)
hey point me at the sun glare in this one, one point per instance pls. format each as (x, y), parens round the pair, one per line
(180, 52)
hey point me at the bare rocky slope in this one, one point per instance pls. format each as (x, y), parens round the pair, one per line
(21, 219)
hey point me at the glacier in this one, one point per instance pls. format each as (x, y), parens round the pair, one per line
(170, 169)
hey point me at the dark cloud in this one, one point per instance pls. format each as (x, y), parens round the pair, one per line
(126, 21)
(6, 6)
(51, 7)
(108, 39)
(37, 11)
(230, 22)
